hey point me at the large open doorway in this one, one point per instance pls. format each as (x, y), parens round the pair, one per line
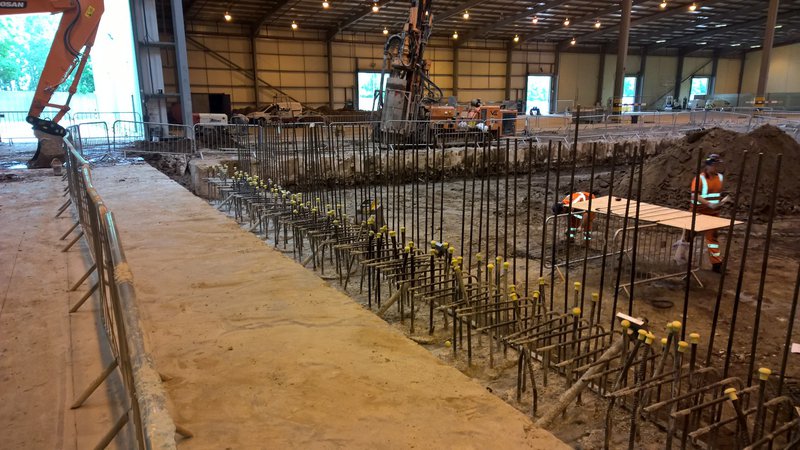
(538, 94)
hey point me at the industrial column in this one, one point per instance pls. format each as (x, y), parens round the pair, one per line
(640, 80)
(741, 79)
(509, 55)
(679, 76)
(712, 83)
(554, 82)
(182, 63)
(157, 96)
(455, 72)
(622, 53)
(254, 55)
(600, 75)
(329, 54)
(766, 52)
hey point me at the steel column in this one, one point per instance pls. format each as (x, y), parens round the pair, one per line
(509, 54)
(254, 54)
(766, 52)
(712, 83)
(329, 54)
(741, 78)
(601, 74)
(182, 62)
(640, 78)
(622, 53)
(554, 83)
(679, 76)
(455, 72)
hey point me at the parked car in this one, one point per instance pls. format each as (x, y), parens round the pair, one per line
(284, 112)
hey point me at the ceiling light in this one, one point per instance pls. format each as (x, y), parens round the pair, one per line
(663, 4)
(426, 13)
(661, 41)
(466, 15)
(778, 27)
(597, 24)
(566, 22)
(228, 16)
(535, 20)
(455, 35)
(735, 45)
(755, 46)
(693, 7)
(385, 31)
(702, 43)
(516, 38)
(294, 25)
(573, 41)
(375, 7)
(325, 4)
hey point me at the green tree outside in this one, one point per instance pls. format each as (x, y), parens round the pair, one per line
(25, 42)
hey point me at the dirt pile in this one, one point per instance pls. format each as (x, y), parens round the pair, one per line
(668, 175)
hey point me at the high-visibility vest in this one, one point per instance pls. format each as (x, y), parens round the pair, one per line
(710, 188)
(577, 197)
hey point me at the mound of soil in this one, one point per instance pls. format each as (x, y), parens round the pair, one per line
(668, 175)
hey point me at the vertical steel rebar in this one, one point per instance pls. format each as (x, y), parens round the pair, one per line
(742, 266)
(722, 277)
(764, 264)
(691, 234)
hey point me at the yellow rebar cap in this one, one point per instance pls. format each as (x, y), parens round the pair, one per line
(764, 373)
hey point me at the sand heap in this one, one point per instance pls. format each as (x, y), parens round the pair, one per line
(668, 175)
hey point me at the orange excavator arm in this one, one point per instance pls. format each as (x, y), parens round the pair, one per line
(68, 54)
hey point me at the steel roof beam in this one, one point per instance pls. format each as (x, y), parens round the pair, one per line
(641, 21)
(584, 18)
(455, 11)
(509, 20)
(264, 18)
(353, 19)
(739, 26)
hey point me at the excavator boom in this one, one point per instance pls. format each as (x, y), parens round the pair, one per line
(68, 54)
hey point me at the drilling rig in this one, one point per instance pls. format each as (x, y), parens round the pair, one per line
(409, 96)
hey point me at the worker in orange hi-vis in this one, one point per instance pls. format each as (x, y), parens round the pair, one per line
(577, 220)
(708, 202)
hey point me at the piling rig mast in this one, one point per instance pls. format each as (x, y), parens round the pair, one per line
(68, 55)
(409, 93)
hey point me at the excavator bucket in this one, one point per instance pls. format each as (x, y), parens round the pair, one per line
(50, 147)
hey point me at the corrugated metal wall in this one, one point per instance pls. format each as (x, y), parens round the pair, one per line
(297, 65)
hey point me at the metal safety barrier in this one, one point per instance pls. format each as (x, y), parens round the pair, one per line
(656, 253)
(90, 136)
(113, 286)
(152, 137)
(14, 129)
(105, 116)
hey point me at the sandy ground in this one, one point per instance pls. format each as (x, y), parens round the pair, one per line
(47, 356)
(263, 354)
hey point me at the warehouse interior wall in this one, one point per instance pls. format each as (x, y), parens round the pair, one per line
(297, 63)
